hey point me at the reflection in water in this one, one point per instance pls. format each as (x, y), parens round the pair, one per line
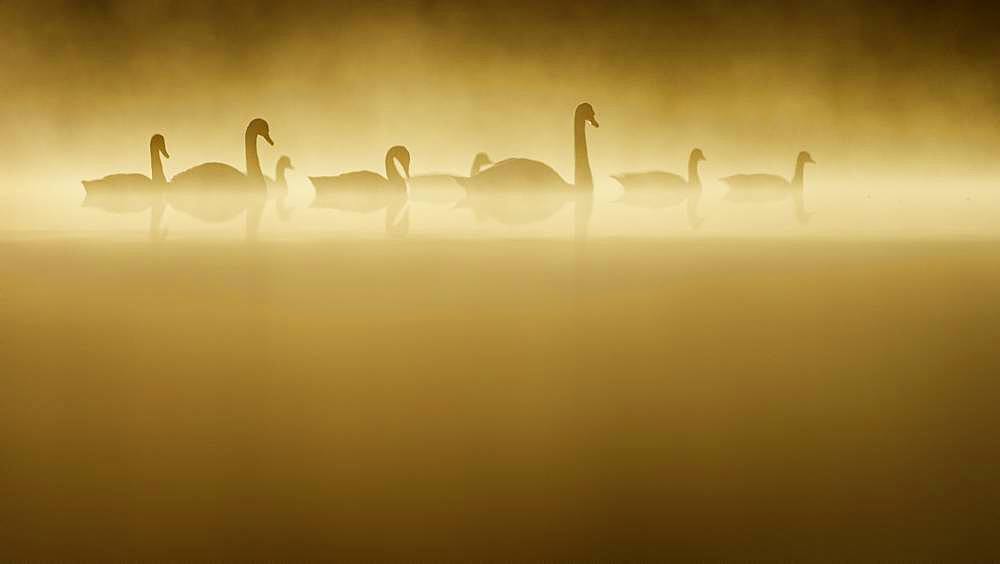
(444, 188)
(277, 188)
(366, 191)
(217, 192)
(665, 189)
(765, 188)
(520, 191)
(130, 193)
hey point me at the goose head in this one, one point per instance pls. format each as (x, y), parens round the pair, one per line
(585, 113)
(260, 128)
(481, 160)
(805, 158)
(159, 144)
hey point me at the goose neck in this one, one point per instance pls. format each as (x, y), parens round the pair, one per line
(583, 179)
(253, 160)
(797, 180)
(392, 173)
(693, 178)
(156, 163)
(477, 165)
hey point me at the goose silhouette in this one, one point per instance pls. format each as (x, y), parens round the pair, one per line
(520, 191)
(444, 188)
(665, 189)
(765, 188)
(130, 193)
(216, 192)
(277, 187)
(366, 191)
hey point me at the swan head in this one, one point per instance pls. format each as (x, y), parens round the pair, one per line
(401, 155)
(285, 163)
(585, 112)
(806, 158)
(159, 144)
(482, 159)
(697, 155)
(260, 128)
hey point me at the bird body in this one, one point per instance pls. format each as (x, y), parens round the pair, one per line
(766, 188)
(129, 193)
(657, 189)
(517, 192)
(366, 191)
(217, 192)
(121, 193)
(361, 192)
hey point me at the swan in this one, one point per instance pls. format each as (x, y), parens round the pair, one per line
(665, 189)
(217, 192)
(127, 193)
(444, 188)
(763, 188)
(277, 187)
(366, 191)
(519, 191)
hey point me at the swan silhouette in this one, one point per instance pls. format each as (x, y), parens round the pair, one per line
(665, 189)
(217, 192)
(277, 188)
(520, 191)
(366, 191)
(765, 188)
(444, 188)
(129, 193)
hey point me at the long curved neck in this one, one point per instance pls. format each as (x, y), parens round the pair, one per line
(392, 173)
(477, 165)
(279, 175)
(693, 178)
(253, 161)
(583, 179)
(800, 167)
(157, 165)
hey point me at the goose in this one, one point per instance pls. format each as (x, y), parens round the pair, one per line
(444, 188)
(277, 187)
(665, 189)
(520, 191)
(128, 193)
(763, 188)
(217, 192)
(366, 191)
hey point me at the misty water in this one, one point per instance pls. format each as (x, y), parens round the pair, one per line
(760, 387)
(806, 390)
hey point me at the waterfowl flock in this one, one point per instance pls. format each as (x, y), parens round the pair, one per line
(513, 191)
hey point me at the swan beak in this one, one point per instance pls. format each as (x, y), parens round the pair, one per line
(165, 153)
(267, 137)
(593, 121)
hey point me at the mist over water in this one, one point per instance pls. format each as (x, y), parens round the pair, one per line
(760, 387)
(897, 105)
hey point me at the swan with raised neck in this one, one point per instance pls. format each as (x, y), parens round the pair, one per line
(157, 149)
(257, 128)
(583, 178)
(803, 159)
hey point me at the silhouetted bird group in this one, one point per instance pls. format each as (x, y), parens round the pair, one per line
(512, 191)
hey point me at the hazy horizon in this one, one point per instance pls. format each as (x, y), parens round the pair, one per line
(893, 97)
